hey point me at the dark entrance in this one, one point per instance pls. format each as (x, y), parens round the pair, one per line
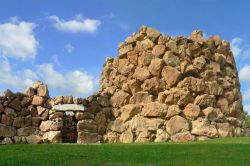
(69, 131)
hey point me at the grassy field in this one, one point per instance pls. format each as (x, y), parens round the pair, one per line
(227, 151)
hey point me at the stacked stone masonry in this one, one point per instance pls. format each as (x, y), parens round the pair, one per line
(159, 88)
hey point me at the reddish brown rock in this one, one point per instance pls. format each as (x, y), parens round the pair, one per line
(183, 137)
(158, 50)
(191, 111)
(177, 124)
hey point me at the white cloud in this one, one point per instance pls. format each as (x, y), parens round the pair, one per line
(69, 48)
(17, 39)
(75, 83)
(20, 80)
(76, 25)
(240, 48)
(244, 73)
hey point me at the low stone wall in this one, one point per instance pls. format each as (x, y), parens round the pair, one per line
(29, 118)
(157, 89)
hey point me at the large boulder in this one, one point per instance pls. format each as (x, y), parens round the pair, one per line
(154, 109)
(202, 127)
(177, 124)
(130, 110)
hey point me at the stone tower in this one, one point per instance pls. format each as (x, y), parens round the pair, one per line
(172, 88)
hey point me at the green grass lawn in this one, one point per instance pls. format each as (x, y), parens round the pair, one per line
(227, 151)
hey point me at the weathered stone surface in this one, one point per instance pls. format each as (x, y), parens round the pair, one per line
(224, 129)
(25, 102)
(194, 84)
(38, 100)
(153, 85)
(54, 125)
(152, 34)
(125, 67)
(87, 125)
(130, 110)
(26, 131)
(7, 141)
(170, 75)
(205, 101)
(10, 112)
(222, 103)
(154, 109)
(52, 137)
(132, 86)
(156, 66)
(88, 137)
(34, 139)
(141, 97)
(117, 126)
(19, 122)
(7, 131)
(125, 50)
(191, 111)
(69, 107)
(201, 127)
(42, 90)
(197, 36)
(112, 137)
(158, 50)
(141, 74)
(119, 99)
(161, 136)
(16, 104)
(172, 111)
(182, 137)
(177, 124)
(84, 115)
(139, 123)
(40, 110)
(144, 136)
(126, 137)
(171, 59)
(1, 108)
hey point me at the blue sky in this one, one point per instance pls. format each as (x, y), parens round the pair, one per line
(64, 43)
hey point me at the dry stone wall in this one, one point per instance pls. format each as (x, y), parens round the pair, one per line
(159, 88)
(180, 89)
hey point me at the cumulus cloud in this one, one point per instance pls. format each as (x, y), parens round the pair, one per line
(69, 48)
(244, 73)
(76, 82)
(76, 25)
(16, 80)
(240, 48)
(17, 39)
